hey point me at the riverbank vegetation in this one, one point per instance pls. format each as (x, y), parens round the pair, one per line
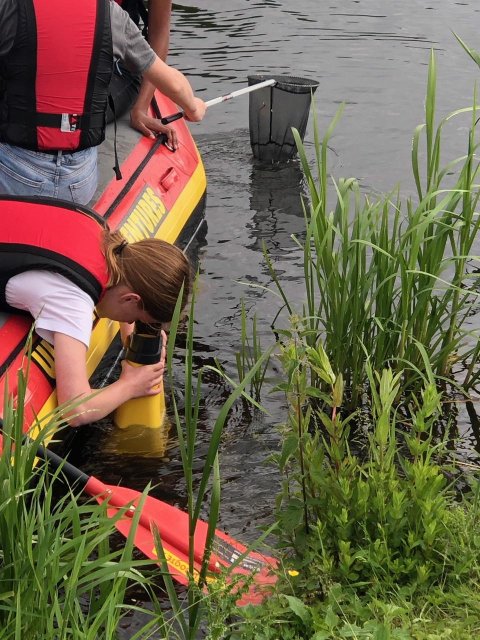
(64, 573)
(377, 517)
(59, 576)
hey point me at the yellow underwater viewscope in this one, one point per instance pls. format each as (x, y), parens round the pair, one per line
(144, 347)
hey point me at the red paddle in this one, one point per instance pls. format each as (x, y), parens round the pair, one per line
(173, 527)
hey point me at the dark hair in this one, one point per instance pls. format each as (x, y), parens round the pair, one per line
(152, 268)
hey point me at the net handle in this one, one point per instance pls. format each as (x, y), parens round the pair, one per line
(228, 96)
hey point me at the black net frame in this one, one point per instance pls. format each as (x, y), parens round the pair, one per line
(274, 110)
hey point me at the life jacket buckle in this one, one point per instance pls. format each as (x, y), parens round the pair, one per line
(69, 122)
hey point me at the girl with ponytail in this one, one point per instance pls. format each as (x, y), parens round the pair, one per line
(69, 267)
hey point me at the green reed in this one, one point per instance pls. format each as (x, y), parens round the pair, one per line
(382, 544)
(250, 353)
(59, 576)
(383, 276)
(190, 615)
(369, 513)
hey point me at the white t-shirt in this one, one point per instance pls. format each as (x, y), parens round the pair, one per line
(56, 304)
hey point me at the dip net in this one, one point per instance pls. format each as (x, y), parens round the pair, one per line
(273, 111)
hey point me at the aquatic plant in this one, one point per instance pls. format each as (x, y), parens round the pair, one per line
(385, 544)
(250, 353)
(383, 278)
(59, 576)
(384, 547)
(202, 593)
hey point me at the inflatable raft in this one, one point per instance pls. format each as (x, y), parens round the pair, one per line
(162, 195)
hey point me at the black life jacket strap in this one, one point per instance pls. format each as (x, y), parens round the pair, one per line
(116, 168)
(155, 108)
(142, 10)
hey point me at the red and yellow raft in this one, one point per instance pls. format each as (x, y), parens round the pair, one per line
(162, 195)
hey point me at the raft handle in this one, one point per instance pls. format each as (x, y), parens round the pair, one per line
(168, 179)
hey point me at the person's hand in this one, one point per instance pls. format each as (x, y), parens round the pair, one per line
(198, 113)
(147, 379)
(151, 127)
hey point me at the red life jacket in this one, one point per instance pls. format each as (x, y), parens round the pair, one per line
(52, 235)
(57, 74)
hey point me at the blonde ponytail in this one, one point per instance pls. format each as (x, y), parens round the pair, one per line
(153, 268)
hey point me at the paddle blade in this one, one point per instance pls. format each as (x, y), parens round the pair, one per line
(226, 551)
(177, 561)
(173, 527)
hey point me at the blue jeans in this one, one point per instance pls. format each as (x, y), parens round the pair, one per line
(67, 176)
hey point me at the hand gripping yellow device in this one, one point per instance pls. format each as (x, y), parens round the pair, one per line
(144, 348)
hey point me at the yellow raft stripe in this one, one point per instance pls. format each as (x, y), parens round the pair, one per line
(171, 226)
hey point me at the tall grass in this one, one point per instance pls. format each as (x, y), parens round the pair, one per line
(249, 354)
(383, 546)
(382, 277)
(59, 577)
(203, 495)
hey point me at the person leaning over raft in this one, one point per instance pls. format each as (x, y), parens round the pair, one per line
(56, 61)
(56, 262)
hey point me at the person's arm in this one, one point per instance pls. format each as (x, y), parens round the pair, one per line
(130, 46)
(159, 12)
(73, 385)
(175, 85)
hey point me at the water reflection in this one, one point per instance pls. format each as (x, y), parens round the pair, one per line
(141, 441)
(275, 201)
